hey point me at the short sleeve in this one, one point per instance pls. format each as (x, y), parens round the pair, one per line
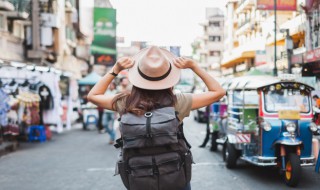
(183, 105)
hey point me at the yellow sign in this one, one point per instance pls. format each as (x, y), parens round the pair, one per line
(289, 114)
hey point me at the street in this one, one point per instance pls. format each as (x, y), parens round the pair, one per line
(77, 160)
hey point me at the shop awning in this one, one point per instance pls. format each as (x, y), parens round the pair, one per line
(238, 59)
(90, 79)
(281, 39)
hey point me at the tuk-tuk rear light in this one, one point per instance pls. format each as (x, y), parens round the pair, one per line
(266, 126)
(313, 127)
(291, 127)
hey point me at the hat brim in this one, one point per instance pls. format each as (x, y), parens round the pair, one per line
(137, 80)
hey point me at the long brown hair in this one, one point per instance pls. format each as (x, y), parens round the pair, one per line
(139, 100)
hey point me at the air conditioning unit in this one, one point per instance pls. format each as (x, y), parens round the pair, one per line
(50, 20)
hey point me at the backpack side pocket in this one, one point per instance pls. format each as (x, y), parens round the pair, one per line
(188, 160)
(123, 173)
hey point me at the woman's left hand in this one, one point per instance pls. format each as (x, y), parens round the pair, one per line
(123, 63)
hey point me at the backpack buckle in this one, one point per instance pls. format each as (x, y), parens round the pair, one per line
(148, 114)
(149, 135)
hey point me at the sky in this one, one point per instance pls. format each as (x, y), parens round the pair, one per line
(162, 22)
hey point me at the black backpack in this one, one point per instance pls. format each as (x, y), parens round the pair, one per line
(155, 154)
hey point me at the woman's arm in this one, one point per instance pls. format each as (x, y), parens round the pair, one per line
(215, 91)
(97, 93)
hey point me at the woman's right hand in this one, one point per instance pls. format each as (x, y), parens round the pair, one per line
(122, 63)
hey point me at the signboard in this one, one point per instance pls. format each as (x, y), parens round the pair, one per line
(104, 59)
(282, 5)
(175, 50)
(261, 57)
(103, 47)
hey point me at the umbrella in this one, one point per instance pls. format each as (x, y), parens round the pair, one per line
(90, 79)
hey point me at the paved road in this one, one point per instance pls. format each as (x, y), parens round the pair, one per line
(83, 160)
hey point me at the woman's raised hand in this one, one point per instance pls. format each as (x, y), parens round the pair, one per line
(184, 63)
(123, 63)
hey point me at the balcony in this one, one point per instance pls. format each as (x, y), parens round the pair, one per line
(214, 45)
(214, 59)
(244, 27)
(244, 5)
(6, 5)
(22, 9)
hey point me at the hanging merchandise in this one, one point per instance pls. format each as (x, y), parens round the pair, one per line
(4, 108)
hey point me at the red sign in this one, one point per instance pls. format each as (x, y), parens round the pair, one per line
(313, 55)
(282, 5)
(310, 56)
(107, 60)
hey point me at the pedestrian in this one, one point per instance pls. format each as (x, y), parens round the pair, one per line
(208, 130)
(316, 109)
(109, 115)
(124, 86)
(153, 72)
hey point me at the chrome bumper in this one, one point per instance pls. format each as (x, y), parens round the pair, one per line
(260, 160)
(307, 161)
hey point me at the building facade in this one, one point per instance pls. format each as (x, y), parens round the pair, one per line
(209, 47)
(250, 37)
(50, 36)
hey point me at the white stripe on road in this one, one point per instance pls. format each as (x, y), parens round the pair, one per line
(100, 169)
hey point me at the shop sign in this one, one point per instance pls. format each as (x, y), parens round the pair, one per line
(175, 50)
(283, 5)
(103, 59)
(241, 67)
(103, 47)
(313, 55)
(297, 59)
(261, 57)
(227, 71)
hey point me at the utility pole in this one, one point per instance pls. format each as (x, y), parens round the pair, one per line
(36, 52)
(289, 47)
(275, 70)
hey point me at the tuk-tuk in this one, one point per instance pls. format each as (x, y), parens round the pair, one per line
(269, 124)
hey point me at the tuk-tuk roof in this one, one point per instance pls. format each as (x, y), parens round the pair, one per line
(251, 82)
(310, 88)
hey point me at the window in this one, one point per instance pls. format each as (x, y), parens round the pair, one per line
(286, 99)
(215, 38)
(214, 24)
(214, 53)
(2, 24)
(248, 98)
(18, 29)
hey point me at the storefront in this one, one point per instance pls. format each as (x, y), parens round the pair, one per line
(33, 96)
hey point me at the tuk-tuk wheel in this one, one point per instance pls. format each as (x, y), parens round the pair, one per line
(292, 173)
(230, 155)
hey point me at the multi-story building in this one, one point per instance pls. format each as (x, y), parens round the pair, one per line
(310, 57)
(210, 45)
(250, 37)
(42, 33)
(14, 16)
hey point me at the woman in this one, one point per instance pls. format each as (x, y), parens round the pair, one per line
(153, 72)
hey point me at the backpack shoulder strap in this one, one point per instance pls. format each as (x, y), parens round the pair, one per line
(181, 135)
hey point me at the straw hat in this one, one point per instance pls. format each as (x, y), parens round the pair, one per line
(154, 69)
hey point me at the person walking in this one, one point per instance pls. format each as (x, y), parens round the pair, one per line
(208, 130)
(109, 115)
(153, 72)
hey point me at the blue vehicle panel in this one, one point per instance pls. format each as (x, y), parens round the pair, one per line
(269, 137)
(306, 137)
